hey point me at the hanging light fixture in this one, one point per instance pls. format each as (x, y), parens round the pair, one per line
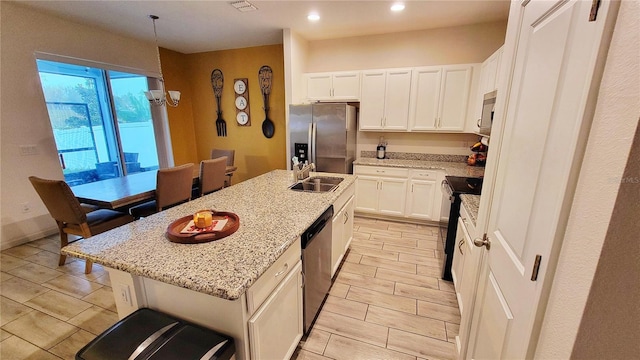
(159, 97)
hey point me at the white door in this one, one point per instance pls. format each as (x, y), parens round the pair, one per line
(372, 100)
(425, 100)
(367, 193)
(543, 134)
(346, 85)
(319, 86)
(392, 196)
(454, 97)
(420, 199)
(396, 106)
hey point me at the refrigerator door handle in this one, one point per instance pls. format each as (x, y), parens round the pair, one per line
(310, 141)
(314, 129)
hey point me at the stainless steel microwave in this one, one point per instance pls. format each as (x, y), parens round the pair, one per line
(488, 105)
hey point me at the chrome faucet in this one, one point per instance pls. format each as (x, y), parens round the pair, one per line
(301, 172)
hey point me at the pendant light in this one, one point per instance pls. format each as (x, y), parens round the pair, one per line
(159, 97)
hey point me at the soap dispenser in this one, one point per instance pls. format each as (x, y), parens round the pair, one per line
(382, 149)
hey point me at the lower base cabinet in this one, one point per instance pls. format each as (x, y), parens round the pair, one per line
(342, 227)
(265, 322)
(276, 328)
(464, 270)
(399, 192)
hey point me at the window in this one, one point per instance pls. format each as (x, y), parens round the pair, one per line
(101, 121)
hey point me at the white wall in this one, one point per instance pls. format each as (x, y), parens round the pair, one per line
(425, 143)
(608, 148)
(454, 45)
(24, 118)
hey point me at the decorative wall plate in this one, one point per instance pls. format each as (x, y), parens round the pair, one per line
(241, 89)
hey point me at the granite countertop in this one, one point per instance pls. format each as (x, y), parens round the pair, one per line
(450, 168)
(272, 217)
(472, 204)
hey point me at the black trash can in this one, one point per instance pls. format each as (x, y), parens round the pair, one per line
(149, 334)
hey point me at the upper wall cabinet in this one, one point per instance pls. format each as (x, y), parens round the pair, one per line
(488, 82)
(343, 85)
(440, 97)
(384, 101)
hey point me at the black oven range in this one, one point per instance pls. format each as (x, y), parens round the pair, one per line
(452, 187)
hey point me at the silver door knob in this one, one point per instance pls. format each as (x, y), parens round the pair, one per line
(482, 242)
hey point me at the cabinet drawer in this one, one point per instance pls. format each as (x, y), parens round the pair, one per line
(381, 171)
(425, 174)
(268, 281)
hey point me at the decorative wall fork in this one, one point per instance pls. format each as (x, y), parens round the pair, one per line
(217, 82)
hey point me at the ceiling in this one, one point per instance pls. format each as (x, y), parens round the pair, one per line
(199, 26)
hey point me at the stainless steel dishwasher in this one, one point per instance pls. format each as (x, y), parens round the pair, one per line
(316, 266)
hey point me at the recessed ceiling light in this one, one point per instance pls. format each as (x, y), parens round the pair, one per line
(313, 17)
(397, 7)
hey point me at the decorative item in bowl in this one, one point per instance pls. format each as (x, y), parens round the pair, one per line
(203, 219)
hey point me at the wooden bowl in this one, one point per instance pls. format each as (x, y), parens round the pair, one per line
(174, 234)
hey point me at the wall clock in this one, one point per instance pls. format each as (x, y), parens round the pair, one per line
(241, 89)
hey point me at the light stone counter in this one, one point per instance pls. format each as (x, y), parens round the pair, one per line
(472, 204)
(271, 215)
(450, 168)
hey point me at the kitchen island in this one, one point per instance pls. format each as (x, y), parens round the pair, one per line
(225, 284)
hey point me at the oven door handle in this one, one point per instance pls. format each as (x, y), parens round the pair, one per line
(447, 190)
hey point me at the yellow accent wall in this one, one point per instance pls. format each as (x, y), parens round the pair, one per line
(192, 124)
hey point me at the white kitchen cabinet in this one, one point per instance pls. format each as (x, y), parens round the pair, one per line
(488, 82)
(440, 97)
(384, 99)
(344, 85)
(342, 227)
(347, 234)
(337, 242)
(465, 270)
(276, 328)
(422, 202)
(381, 189)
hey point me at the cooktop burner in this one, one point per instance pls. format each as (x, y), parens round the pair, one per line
(465, 185)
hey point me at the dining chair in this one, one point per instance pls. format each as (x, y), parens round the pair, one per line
(230, 154)
(173, 187)
(107, 170)
(73, 218)
(212, 175)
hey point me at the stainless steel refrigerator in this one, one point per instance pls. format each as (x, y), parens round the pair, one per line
(324, 134)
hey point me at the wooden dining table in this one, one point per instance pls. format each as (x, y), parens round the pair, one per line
(124, 191)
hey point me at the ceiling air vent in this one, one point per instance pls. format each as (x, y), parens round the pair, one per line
(243, 6)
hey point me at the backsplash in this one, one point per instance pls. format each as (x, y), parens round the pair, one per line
(416, 156)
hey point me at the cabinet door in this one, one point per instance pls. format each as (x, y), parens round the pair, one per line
(425, 98)
(397, 92)
(346, 86)
(276, 328)
(319, 86)
(392, 196)
(372, 100)
(347, 234)
(420, 199)
(337, 242)
(454, 97)
(367, 193)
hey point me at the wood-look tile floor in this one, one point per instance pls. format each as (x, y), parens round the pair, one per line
(49, 311)
(387, 301)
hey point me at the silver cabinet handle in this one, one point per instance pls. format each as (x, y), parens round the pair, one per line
(460, 246)
(286, 267)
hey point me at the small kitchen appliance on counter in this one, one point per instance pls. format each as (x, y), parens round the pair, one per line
(452, 188)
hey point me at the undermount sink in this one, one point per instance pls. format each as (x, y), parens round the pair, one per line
(317, 184)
